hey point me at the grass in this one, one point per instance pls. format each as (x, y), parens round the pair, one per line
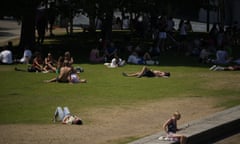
(25, 98)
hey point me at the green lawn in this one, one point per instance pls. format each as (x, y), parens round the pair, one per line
(25, 98)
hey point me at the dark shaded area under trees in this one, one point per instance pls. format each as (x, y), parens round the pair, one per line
(26, 12)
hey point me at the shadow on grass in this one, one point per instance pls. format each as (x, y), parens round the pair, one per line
(80, 45)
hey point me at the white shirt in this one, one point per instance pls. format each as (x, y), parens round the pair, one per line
(221, 57)
(6, 57)
(133, 59)
(26, 54)
(74, 78)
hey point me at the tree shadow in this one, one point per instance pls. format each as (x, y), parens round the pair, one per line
(80, 45)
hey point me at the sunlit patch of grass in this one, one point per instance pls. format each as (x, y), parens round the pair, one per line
(25, 98)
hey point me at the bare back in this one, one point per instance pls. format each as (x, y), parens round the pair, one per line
(64, 74)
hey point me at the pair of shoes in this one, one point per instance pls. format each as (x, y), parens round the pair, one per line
(213, 67)
(45, 71)
(161, 138)
(165, 138)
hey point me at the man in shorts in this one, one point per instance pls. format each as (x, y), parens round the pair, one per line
(64, 74)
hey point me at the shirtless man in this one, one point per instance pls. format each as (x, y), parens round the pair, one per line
(146, 72)
(63, 76)
(67, 75)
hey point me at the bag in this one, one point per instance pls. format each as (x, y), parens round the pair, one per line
(31, 69)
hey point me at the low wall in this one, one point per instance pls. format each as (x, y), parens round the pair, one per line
(204, 130)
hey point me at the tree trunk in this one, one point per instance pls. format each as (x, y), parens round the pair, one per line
(92, 25)
(27, 37)
(107, 26)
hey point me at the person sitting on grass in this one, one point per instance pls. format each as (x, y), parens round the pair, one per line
(146, 72)
(95, 57)
(50, 63)
(37, 65)
(27, 55)
(115, 62)
(64, 73)
(170, 127)
(68, 57)
(64, 116)
(67, 75)
(6, 56)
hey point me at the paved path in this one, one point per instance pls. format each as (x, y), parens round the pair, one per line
(9, 29)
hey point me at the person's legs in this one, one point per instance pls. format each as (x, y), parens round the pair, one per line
(59, 114)
(143, 71)
(137, 74)
(37, 68)
(182, 138)
(131, 74)
(66, 111)
(51, 67)
(51, 80)
(219, 68)
(18, 69)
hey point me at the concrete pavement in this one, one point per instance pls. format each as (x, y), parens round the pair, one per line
(205, 130)
(9, 30)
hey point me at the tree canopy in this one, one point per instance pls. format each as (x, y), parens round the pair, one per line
(26, 11)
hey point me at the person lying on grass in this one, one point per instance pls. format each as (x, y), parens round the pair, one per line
(67, 75)
(227, 68)
(63, 115)
(146, 72)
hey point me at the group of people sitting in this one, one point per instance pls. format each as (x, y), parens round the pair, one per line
(109, 58)
(140, 55)
(224, 62)
(63, 67)
(66, 73)
(136, 55)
